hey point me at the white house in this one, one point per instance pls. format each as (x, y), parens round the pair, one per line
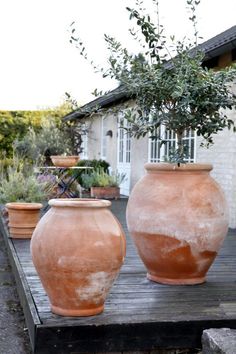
(105, 140)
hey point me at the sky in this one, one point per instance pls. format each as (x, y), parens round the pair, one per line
(38, 64)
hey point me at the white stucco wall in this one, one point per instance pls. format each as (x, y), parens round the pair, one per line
(139, 156)
(222, 155)
(94, 139)
(94, 142)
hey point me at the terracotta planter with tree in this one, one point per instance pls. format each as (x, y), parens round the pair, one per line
(176, 214)
(178, 218)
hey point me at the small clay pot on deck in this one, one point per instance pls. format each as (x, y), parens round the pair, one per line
(23, 218)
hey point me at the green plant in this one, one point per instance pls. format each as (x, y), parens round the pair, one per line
(95, 164)
(99, 178)
(18, 184)
(169, 82)
(14, 125)
(49, 140)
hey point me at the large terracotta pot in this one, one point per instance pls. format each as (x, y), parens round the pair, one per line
(23, 217)
(178, 219)
(78, 248)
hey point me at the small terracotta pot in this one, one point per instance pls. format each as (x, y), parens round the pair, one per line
(78, 248)
(23, 217)
(178, 219)
(105, 192)
(64, 161)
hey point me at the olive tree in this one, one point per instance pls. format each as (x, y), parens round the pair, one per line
(168, 81)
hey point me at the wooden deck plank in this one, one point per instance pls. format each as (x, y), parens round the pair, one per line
(139, 314)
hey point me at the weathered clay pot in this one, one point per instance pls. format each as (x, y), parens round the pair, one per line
(78, 248)
(64, 161)
(105, 192)
(23, 217)
(178, 219)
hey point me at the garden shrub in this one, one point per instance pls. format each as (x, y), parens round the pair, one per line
(101, 165)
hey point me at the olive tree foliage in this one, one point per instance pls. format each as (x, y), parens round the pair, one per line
(168, 81)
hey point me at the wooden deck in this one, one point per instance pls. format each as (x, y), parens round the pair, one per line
(139, 314)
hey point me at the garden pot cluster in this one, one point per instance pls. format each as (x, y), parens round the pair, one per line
(176, 214)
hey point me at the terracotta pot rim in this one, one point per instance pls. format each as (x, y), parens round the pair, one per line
(24, 206)
(79, 203)
(164, 166)
(65, 156)
(107, 187)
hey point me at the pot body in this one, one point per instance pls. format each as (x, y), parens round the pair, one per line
(178, 218)
(78, 248)
(64, 161)
(23, 218)
(105, 192)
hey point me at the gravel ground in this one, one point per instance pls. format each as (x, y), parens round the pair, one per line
(14, 337)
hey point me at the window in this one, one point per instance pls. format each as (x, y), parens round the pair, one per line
(158, 152)
(124, 142)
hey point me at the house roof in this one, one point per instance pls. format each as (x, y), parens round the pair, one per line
(215, 46)
(220, 44)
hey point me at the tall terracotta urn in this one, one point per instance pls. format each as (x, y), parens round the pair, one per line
(78, 248)
(178, 219)
(23, 218)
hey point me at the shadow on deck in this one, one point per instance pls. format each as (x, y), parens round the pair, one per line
(139, 314)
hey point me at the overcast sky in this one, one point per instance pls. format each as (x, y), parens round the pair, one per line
(38, 64)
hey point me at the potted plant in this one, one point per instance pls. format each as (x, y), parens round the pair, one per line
(102, 185)
(22, 195)
(177, 214)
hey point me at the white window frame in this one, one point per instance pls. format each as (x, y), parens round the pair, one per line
(84, 145)
(157, 152)
(124, 148)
